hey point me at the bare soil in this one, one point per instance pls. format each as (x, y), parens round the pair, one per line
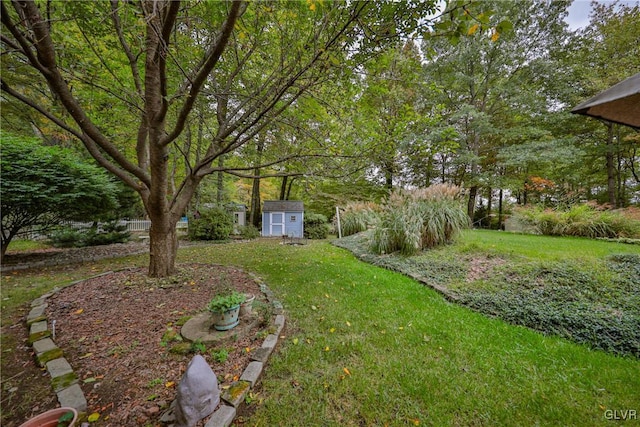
(115, 330)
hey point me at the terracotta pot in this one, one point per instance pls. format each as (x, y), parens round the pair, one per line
(50, 418)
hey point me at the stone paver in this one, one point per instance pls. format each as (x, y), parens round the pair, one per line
(261, 354)
(252, 373)
(38, 327)
(46, 351)
(270, 341)
(59, 367)
(279, 323)
(36, 314)
(235, 394)
(73, 397)
(223, 417)
(38, 331)
(44, 345)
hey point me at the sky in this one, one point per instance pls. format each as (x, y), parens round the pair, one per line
(579, 11)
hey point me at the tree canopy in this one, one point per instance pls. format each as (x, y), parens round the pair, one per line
(167, 63)
(43, 185)
(321, 100)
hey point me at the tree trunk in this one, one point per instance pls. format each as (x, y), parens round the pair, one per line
(163, 246)
(254, 216)
(388, 178)
(220, 186)
(489, 206)
(471, 204)
(500, 195)
(283, 188)
(611, 167)
(288, 195)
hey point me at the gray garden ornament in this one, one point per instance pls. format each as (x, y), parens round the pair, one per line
(198, 394)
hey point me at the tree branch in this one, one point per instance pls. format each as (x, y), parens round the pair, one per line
(91, 135)
(213, 55)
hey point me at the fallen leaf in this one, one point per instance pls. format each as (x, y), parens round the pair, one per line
(85, 356)
(89, 380)
(169, 384)
(78, 311)
(326, 348)
(348, 324)
(332, 330)
(93, 417)
(313, 307)
(295, 341)
(346, 371)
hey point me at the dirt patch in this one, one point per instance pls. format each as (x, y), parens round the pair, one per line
(118, 331)
(482, 267)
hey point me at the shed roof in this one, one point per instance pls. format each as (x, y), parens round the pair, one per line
(283, 206)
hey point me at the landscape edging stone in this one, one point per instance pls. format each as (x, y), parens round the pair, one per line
(71, 395)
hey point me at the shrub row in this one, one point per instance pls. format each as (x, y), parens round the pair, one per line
(580, 220)
(316, 226)
(68, 237)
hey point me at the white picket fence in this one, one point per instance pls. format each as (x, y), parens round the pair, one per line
(133, 225)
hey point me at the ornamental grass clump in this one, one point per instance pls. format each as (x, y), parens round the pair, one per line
(582, 220)
(414, 220)
(358, 216)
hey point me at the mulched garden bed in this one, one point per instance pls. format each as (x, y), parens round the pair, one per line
(116, 332)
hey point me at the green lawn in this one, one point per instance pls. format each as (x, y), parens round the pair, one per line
(542, 248)
(368, 346)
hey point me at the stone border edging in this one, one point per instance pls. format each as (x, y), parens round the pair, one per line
(65, 382)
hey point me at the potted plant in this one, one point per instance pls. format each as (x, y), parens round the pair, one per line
(224, 310)
(246, 306)
(59, 417)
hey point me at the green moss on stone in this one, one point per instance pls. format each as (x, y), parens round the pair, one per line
(184, 319)
(235, 394)
(64, 381)
(36, 319)
(50, 355)
(37, 336)
(182, 348)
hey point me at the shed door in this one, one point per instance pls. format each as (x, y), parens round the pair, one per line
(277, 224)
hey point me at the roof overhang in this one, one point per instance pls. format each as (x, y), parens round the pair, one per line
(618, 104)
